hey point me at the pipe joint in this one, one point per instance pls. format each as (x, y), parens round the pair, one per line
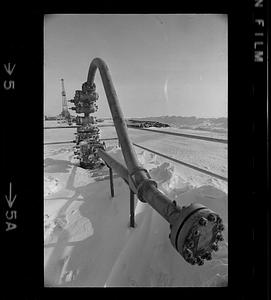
(140, 188)
(144, 187)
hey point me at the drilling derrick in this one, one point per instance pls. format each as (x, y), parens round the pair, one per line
(65, 112)
(88, 134)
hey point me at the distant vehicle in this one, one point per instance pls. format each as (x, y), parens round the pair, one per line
(99, 120)
(145, 124)
(50, 118)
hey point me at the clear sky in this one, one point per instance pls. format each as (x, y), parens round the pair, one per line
(160, 64)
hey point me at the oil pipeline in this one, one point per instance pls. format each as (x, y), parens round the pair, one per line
(195, 230)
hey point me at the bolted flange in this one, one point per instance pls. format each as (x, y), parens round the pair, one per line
(196, 231)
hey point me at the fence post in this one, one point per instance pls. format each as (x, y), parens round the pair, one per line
(111, 182)
(132, 209)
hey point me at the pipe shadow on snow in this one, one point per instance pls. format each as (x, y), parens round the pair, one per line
(56, 165)
(102, 174)
(98, 176)
(92, 208)
(98, 210)
(53, 266)
(56, 262)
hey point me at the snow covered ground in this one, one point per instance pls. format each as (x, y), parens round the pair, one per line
(87, 239)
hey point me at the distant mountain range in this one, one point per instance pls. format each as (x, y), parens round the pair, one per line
(209, 124)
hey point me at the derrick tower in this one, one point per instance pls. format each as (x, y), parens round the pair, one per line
(65, 112)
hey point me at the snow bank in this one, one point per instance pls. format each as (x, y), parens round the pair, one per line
(87, 237)
(51, 185)
(157, 263)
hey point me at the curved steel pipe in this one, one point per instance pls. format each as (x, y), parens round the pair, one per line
(118, 118)
(186, 222)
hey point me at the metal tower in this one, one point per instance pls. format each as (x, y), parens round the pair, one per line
(65, 113)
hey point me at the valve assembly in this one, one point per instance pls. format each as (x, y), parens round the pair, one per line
(88, 134)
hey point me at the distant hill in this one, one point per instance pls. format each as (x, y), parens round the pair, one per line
(209, 124)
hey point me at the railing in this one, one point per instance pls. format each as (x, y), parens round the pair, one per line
(191, 136)
(70, 142)
(73, 126)
(184, 163)
(209, 173)
(186, 223)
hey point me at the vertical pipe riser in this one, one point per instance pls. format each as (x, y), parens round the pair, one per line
(111, 183)
(118, 118)
(132, 209)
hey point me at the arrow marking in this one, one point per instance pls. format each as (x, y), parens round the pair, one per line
(10, 201)
(8, 69)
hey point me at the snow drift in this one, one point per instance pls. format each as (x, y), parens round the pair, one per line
(87, 239)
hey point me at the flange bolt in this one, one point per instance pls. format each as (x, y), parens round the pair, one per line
(214, 247)
(196, 233)
(208, 256)
(219, 237)
(190, 244)
(189, 253)
(200, 261)
(202, 221)
(211, 218)
(220, 227)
